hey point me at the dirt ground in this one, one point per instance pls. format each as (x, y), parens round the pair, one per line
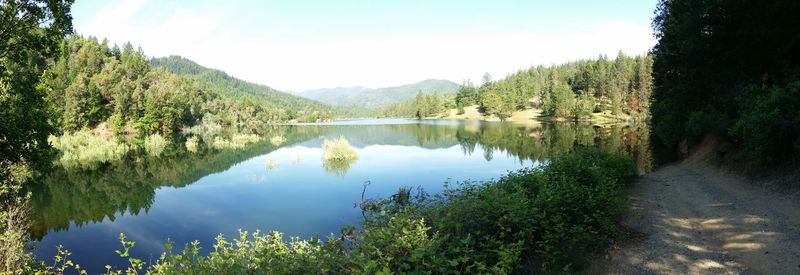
(692, 218)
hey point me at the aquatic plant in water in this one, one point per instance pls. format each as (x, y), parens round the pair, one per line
(84, 150)
(338, 155)
(338, 149)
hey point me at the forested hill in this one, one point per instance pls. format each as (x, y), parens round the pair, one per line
(618, 88)
(380, 97)
(91, 82)
(234, 87)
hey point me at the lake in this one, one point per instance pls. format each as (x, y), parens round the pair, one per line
(286, 185)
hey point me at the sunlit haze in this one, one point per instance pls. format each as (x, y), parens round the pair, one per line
(299, 45)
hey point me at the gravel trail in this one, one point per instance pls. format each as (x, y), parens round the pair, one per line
(688, 218)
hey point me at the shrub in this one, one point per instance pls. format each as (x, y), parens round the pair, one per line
(192, 144)
(86, 151)
(154, 145)
(338, 149)
(14, 224)
(117, 123)
(769, 127)
(578, 200)
(548, 218)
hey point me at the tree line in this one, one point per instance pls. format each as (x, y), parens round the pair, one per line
(621, 87)
(421, 106)
(91, 82)
(731, 69)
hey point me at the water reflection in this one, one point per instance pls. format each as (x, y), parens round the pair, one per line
(337, 167)
(284, 183)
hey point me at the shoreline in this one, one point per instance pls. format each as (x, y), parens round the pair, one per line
(535, 116)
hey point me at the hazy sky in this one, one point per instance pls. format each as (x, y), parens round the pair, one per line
(298, 45)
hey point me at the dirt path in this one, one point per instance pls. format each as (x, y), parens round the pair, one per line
(693, 219)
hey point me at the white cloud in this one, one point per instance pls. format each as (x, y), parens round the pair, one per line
(367, 61)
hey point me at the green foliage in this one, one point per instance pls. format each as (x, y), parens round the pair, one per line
(769, 127)
(85, 150)
(549, 218)
(584, 105)
(29, 34)
(154, 145)
(89, 83)
(208, 128)
(572, 90)
(579, 199)
(562, 100)
(61, 264)
(14, 254)
(259, 102)
(422, 106)
(192, 144)
(338, 149)
(716, 70)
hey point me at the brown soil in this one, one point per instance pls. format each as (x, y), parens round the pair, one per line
(695, 218)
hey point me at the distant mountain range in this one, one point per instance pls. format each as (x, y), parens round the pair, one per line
(326, 100)
(380, 97)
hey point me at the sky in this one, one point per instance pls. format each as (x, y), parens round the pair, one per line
(301, 44)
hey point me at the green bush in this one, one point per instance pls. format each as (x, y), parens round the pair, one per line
(338, 149)
(154, 145)
(192, 144)
(543, 219)
(578, 200)
(769, 127)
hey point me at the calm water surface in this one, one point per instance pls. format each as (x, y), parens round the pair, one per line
(286, 187)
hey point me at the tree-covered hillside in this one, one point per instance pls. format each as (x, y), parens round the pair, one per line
(91, 82)
(233, 87)
(620, 87)
(381, 97)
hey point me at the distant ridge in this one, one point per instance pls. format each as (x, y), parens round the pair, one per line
(380, 97)
(230, 86)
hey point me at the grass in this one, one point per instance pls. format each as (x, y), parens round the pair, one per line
(84, 150)
(338, 150)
